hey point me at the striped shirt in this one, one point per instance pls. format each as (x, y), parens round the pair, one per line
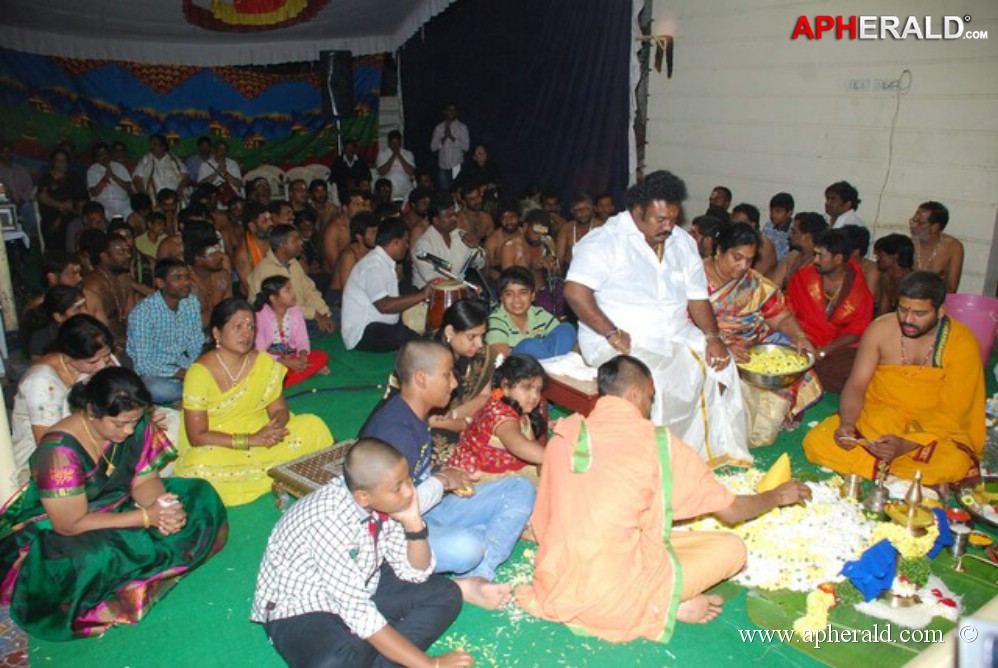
(502, 330)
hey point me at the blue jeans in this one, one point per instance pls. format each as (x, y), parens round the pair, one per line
(164, 390)
(561, 340)
(473, 535)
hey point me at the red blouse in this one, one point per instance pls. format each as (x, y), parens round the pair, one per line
(480, 449)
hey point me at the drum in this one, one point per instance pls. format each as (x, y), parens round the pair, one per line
(444, 294)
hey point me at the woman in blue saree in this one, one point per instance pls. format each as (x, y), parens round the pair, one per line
(96, 537)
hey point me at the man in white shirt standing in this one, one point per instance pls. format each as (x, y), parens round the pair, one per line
(371, 301)
(160, 169)
(109, 183)
(451, 141)
(222, 172)
(841, 201)
(632, 283)
(442, 239)
(397, 165)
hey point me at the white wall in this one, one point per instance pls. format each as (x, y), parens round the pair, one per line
(749, 108)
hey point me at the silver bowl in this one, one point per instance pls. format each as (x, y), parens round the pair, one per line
(775, 381)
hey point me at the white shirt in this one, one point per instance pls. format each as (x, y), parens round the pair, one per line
(208, 168)
(401, 182)
(158, 173)
(848, 218)
(642, 296)
(451, 151)
(116, 200)
(371, 279)
(432, 242)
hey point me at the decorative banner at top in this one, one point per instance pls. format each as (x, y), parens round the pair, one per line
(251, 15)
(266, 115)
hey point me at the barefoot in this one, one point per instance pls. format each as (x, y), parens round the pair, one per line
(489, 595)
(700, 609)
(324, 371)
(528, 534)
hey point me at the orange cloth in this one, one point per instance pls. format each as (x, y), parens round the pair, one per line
(603, 562)
(851, 314)
(941, 407)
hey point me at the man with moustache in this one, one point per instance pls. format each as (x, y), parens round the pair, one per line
(582, 223)
(934, 251)
(318, 198)
(164, 332)
(915, 398)
(632, 283)
(416, 217)
(111, 282)
(508, 233)
(210, 275)
(472, 218)
(363, 234)
(833, 305)
(442, 240)
(256, 244)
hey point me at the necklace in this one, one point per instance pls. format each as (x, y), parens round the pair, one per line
(932, 256)
(575, 231)
(242, 367)
(904, 354)
(119, 311)
(65, 367)
(110, 466)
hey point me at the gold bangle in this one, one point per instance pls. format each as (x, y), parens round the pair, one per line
(240, 441)
(145, 517)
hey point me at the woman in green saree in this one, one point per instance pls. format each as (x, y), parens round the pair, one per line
(96, 537)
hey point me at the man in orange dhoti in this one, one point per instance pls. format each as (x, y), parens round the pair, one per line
(915, 398)
(833, 305)
(612, 484)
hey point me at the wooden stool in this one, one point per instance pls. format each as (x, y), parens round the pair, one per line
(306, 474)
(578, 396)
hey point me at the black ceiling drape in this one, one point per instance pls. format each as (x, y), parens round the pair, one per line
(543, 83)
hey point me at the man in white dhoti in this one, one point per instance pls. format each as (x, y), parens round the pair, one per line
(636, 283)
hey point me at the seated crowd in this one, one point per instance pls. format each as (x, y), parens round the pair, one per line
(205, 296)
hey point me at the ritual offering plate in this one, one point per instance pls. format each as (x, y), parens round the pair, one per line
(773, 366)
(979, 499)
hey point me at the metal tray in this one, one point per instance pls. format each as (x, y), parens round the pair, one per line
(965, 488)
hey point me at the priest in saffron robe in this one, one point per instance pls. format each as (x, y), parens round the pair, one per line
(915, 398)
(611, 486)
(833, 305)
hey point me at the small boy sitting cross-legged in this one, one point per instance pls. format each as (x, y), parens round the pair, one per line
(346, 579)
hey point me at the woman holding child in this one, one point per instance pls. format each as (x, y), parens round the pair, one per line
(750, 310)
(236, 423)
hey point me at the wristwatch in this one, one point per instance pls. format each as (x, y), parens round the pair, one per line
(422, 534)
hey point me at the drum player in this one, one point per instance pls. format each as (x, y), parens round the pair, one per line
(371, 300)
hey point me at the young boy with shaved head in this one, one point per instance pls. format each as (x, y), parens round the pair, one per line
(473, 529)
(346, 579)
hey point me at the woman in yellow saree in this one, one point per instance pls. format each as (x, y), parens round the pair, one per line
(236, 423)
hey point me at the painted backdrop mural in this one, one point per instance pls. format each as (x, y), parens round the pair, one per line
(268, 115)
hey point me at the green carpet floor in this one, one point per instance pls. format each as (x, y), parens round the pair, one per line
(204, 621)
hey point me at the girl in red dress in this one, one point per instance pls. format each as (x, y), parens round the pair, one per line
(508, 432)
